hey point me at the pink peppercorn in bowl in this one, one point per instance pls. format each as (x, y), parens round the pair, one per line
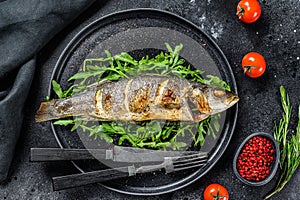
(256, 160)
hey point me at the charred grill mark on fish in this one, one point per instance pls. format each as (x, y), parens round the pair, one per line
(107, 102)
(170, 98)
(202, 104)
(139, 98)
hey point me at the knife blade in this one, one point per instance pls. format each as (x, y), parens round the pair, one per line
(117, 154)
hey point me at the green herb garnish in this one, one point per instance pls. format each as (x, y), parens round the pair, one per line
(148, 134)
(290, 153)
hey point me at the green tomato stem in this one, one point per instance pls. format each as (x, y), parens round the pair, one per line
(248, 68)
(241, 12)
(218, 196)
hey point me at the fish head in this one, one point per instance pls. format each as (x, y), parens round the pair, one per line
(212, 100)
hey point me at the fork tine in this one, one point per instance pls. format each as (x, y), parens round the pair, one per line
(193, 153)
(188, 167)
(190, 161)
(171, 164)
(188, 158)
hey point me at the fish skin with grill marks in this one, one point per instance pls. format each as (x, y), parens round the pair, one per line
(144, 97)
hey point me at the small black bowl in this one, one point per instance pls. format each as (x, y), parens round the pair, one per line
(273, 167)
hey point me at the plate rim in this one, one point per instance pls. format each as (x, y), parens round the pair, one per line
(86, 30)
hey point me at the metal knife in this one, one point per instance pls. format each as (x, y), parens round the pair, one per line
(117, 154)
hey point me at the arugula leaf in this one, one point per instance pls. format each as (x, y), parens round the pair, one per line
(57, 89)
(64, 122)
(217, 82)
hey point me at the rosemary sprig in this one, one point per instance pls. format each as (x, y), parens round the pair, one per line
(281, 130)
(290, 154)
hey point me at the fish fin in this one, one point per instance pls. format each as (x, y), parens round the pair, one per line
(46, 111)
(201, 117)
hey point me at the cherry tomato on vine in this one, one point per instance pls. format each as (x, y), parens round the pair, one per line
(253, 64)
(248, 11)
(215, 191)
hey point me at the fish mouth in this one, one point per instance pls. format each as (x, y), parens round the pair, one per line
(232, 100)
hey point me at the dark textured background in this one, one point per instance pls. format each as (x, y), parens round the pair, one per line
(276, 35)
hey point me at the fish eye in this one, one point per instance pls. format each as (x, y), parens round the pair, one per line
(219, 93)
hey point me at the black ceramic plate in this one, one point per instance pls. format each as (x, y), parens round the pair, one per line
(143, 32)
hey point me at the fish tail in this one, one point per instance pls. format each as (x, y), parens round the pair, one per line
(46, 111)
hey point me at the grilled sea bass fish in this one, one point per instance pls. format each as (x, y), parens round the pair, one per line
(139, 98)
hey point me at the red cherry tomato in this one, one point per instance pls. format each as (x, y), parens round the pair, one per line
(248, 11)
(253, 64)
(215, 192)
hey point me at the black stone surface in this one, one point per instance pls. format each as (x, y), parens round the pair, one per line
(275, 35)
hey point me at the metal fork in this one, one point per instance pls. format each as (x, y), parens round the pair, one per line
(170, 164)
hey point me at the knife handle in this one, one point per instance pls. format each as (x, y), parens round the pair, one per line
(75, 180)
(55, 154)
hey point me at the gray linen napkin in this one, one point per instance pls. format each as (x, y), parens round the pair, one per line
(25, 27)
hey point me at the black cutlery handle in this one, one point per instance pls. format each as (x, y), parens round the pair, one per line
(55, 154)
(75, 180)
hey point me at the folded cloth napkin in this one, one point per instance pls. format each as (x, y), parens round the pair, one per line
(25, 27)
